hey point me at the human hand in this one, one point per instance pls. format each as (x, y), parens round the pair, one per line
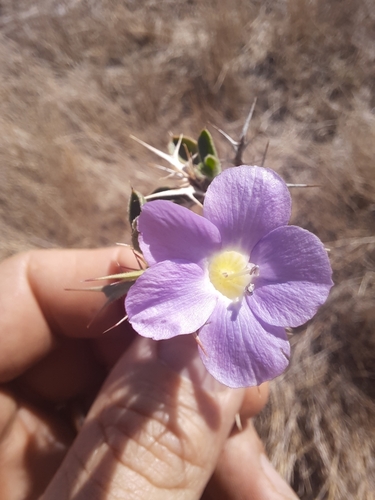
(157, 428)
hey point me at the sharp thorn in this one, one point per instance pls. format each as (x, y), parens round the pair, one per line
(198, 341)
(303, 185)
(265, 154)
(248, 120)
(116, 325)
(234, 143)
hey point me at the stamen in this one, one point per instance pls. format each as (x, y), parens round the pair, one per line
(254, 271)
(231, 273)
(235, 275)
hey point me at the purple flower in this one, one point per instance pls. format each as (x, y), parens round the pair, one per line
(236, 276)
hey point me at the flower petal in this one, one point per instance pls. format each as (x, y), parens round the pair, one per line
(294, 277)
(240, 350)
(246, 203)
(169, 299)
(169, 231)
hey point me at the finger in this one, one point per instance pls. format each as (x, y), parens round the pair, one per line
(32, 445)
(254, 401)
(155, 431)
(35, 308)
(70, 371)
(244, 471)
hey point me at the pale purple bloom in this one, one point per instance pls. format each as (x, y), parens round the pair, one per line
(237, 276)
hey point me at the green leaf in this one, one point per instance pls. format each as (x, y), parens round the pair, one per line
(206, 145)
(210, 167)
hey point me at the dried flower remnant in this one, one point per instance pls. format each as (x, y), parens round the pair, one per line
(236, 276)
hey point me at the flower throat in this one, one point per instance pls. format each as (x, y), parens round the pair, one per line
(231, 273)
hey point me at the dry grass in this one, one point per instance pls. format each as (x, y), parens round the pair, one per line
(76, 78)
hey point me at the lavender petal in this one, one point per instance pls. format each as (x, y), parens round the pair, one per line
(240, 350)
(246, 203)
(294, 277)
(169, 231)
(169, 299)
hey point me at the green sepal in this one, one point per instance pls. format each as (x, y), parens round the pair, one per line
(127, 276)
(120, 288)
(187, 145)
(136, 202)
(117, 290)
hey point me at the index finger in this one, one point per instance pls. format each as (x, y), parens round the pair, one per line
(35, 307)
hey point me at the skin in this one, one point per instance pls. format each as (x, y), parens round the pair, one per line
(87, 415)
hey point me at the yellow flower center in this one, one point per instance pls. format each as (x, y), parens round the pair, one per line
(230, 272)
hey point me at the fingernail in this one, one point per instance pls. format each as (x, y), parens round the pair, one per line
(182, 356)
(277, 481)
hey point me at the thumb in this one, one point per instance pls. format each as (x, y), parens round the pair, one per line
(155, 431)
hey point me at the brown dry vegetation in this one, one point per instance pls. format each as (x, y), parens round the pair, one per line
(76, 78)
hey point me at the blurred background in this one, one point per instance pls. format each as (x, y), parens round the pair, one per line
(77, 77)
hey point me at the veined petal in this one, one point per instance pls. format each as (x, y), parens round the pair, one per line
(294, 277)
(246, 203)
(169, 231)
(169, 299)
(240, 350)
